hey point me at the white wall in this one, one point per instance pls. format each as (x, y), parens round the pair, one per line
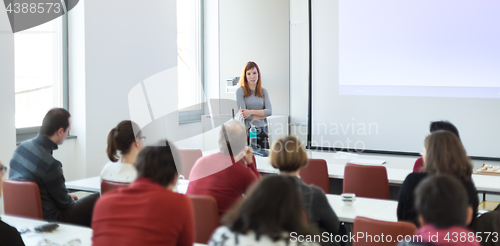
(7, 96)
(256, 30)
(120, 49)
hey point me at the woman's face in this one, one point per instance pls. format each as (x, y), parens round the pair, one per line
(252, 76)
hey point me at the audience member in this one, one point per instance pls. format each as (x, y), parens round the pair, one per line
(33, 161)
(8, 234)
(443, 154)
(488, 227)
(289, 156)
(225, 175)
(443, 209)
(126, 138)
(271, 214)
(147, 212)
(436, 126)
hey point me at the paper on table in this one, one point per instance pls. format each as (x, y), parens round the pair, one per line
(367, 161)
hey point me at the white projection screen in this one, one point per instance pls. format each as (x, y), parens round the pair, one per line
(383, 70)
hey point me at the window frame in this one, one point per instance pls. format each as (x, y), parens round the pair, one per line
(193, 116)
(26, 133)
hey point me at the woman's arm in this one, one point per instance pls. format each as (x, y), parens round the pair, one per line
(267, 111)
(240, 98)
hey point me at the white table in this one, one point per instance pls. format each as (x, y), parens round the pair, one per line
(94, 185)
(372, 208)
(398, 167)
(61, 235)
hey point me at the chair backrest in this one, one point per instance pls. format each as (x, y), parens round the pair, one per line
(206, 217)
(189, 158)
(107, 185)
(366, 181)
(316, 173)
(375, 228)
(22, 198)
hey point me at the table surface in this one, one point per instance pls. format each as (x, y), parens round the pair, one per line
(94, 185)
(367, 207)
(63, 234)
(398, 167)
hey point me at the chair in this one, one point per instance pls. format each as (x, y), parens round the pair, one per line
(22, 198)
(366, 181)
(189, 158)
(206, 217)
(316, 173)
(107, 185)
(375, 228)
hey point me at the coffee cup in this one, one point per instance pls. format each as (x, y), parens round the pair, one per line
(348, 198)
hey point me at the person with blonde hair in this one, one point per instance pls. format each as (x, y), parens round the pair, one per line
(254, 102)
(443, 154)
(289, 156)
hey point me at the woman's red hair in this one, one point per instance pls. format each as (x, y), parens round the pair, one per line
(244, 83)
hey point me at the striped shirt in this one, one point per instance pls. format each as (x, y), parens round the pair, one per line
(33, 161)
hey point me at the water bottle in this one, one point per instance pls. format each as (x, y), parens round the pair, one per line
(253, 136)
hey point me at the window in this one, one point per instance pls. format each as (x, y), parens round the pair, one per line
(190, 57)
(40, 73)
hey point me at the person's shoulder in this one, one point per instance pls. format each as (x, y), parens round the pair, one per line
(240, 90)
(264, 91)
(10, 235)
(415, 177)
(221, 235)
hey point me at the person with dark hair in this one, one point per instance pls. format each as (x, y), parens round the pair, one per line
(436, 126)
(33, 161)
(124, 143)
(254, 102)
(488, 223)
(289, 156)
(271, 214)
(443, 212)
(443, 154)
(147, 212)
(225, 175)
(9, 236)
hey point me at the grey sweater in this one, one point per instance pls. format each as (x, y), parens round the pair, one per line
(254, 102)
(33, 161)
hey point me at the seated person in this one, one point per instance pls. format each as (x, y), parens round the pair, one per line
(289, 156)
(271, 214)
(9, 236)
(436, 126)
(124, 139)
(33, 161)
(443, 210)
(486, 226)
(147, 212)
(225, 175)
(443, 154)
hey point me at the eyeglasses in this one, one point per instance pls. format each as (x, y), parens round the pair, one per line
(143, 138)
(3, 169)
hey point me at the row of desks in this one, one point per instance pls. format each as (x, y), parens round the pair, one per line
(398, 167)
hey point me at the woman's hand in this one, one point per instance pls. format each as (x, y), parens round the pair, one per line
(249, 156)
(246, 113)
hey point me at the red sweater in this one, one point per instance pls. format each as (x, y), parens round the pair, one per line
(143, 214)
(216, 176)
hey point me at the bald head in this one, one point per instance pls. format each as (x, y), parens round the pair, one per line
(235, 135)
